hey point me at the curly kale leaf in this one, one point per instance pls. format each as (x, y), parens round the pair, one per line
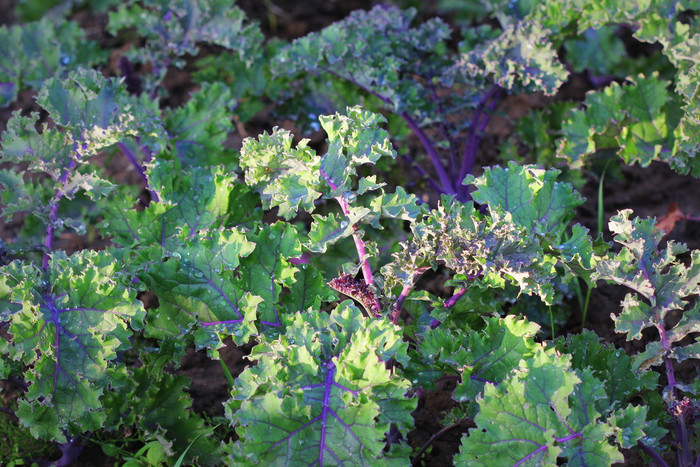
(521, 57)
(34, 52)
(173, 29)
(321, 393)
(545, 411)
(662, 285)
(377, 50)
(74, 318)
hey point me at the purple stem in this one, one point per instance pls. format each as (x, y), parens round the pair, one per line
(18, 382)
(399, 303)
(70, 452)
(359, 243)
(139, 169)
(664, 339)
(455, 297)
(653, 454)
(53, 215)
(425, 141)
(443, 123)
(685, 453)
(450, 303)
(479, 122)
(433, 184)
(404, 294)
(432, 152)
(682, 436)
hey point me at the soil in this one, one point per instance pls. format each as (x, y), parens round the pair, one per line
(648, 191)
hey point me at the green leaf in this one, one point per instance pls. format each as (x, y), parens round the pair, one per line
(321, 393)
(397, 205)
(40, 50)
(195, 288)
(74, 319)
(685, 55)
(157, 405)
(308, 291)
(377, 50)
(197, 130)
(615, 369)
(189, 200)
(173, 29)
(522, 57)
(600, 51)
(542, 412)
(199, 196)
(474, 246)
(353, 139)
(531, 195)
(637, 119)
(662, 283)
(287, 178)
(482, 357)
(326, 230)
(267, 270)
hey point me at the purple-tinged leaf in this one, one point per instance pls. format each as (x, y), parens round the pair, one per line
(75, 316)
(196, 288)
(542, 412)
(321, 394)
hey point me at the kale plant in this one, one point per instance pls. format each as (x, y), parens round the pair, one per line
(303, 252)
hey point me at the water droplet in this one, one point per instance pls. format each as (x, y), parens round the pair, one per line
(65, 59)
(343, 224)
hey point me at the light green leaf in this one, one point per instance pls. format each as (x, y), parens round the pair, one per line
(285, 177)
(483, 357)
(542, 412)
(74, 319)
(320, 393)
(521, 57)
